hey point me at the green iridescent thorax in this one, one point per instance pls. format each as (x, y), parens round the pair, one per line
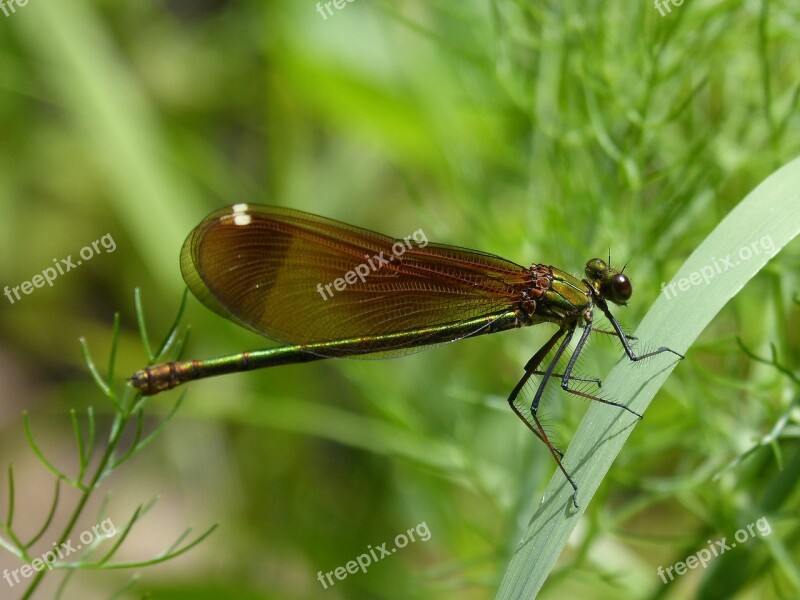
(568, 297)
(560, 296)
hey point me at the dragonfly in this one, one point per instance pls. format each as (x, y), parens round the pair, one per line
(326, 289)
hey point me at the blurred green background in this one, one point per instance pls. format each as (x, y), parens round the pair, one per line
(540, 131)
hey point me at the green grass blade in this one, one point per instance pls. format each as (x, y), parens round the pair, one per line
(771, 212)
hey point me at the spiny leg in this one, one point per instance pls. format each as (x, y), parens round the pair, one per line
(594, 380)
(628, 350)
(566, 377)
(614, 333)
(622, 337)
(530, 368)
(536, 359)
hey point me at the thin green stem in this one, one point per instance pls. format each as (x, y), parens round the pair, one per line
(78, 511)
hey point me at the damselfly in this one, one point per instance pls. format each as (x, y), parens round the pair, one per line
(330, 290)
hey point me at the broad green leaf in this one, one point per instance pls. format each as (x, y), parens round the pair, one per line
(738, 248)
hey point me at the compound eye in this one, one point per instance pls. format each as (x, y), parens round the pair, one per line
(621, 289)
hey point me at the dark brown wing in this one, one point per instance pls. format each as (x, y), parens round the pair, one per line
(275, 270)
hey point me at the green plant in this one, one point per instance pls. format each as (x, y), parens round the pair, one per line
(129, 412)
(772, 210)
